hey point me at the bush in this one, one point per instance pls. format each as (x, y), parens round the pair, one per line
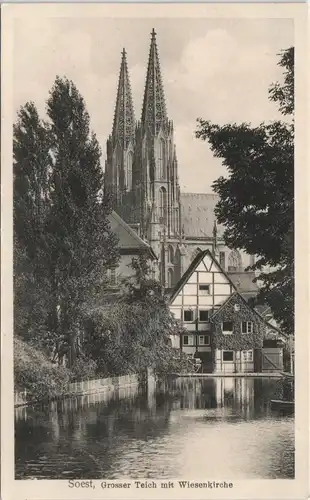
(83, 369)
(36, 374)
(129, 337)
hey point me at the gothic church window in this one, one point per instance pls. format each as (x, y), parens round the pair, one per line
(161, 159)
(163, 205)
(234, 261)
(170, 254)
(170, 278)
(222, 260)
(129, 172)
(177, 265)
(116, 180)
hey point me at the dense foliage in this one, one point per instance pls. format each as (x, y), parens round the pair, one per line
(256, 204)
(35, 373)
(63, 244)
(134, 333)
(63, 248)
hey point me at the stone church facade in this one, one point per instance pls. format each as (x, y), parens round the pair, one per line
(141, 172)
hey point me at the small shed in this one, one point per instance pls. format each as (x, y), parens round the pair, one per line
(272, 355)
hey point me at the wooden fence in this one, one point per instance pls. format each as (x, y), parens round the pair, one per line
(104, 384)
(87, 387)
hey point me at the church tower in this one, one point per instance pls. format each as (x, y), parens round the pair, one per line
(142, 170)
(158, 189)
(121, 146)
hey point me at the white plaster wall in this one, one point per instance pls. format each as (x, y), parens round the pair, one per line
(189, 349)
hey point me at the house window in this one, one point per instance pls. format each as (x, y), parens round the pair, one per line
(227, 327)
(188, 315)
(203, 315)
(237, 307)
(222, 260)
(205, 289)
(112, 276)
(228, 355)
(247, 356)
(204, 340)
(247, 327)
(188, 340)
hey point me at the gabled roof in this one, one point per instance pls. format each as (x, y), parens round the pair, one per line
(194, 264)
(191, 269)
(236, 293)
(134, 242)
(197, 215)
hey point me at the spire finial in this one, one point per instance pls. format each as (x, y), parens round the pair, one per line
(124, 53)
(153, 34)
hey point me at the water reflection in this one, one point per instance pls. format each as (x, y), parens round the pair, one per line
(160, 433)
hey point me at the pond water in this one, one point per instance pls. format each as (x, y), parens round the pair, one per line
(199, 428)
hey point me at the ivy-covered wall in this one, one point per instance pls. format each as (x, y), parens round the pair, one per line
(237, 340)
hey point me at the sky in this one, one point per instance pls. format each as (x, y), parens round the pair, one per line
(217, 69)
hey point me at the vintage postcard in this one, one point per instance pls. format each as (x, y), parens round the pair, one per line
(154, 251)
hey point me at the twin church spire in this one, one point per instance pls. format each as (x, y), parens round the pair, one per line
(154, 113)
(141, 166)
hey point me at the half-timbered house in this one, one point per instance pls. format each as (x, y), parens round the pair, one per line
(221, 328)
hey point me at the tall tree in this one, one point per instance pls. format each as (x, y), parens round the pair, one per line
(82, 245)
(31, 172)
(62, 238)
(256, 204)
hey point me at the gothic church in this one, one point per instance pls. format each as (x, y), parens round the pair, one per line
(141, 172)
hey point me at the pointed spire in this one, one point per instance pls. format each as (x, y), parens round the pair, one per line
(124, 118)
(154, 112)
